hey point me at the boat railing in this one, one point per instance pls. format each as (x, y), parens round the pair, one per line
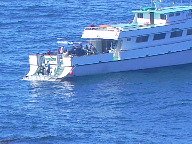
(101, 28)
(114, 29)
(91, 28)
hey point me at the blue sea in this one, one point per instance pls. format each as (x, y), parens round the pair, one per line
(138, 107)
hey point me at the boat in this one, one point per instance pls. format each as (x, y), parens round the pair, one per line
(156, 37)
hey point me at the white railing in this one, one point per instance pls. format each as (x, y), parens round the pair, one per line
(101, 28)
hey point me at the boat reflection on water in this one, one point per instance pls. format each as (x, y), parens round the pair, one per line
(47, 102)
(40, 90)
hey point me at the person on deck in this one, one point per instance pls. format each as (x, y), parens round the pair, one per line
(49, 52)
(60, 50)
(48, 68)
(93, 49)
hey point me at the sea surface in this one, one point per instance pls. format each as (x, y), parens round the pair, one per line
(141, 107)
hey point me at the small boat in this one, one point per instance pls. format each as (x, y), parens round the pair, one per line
(157, 37)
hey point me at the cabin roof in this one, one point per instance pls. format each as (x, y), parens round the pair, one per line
(132, 26)
(164, 10)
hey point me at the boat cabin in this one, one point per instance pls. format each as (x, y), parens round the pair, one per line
(153, 16)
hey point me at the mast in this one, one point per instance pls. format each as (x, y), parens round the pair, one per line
(173, 2)
(157, 4)
(152, 3)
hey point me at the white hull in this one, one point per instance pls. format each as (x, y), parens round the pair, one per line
(157, 37)
(169, 59)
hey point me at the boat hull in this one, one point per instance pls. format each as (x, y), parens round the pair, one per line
(161, 60)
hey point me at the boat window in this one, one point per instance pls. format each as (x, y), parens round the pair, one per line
(177, 33)
(159, 36)
(171, 14)
(177, 14)
(189, 31)
(128, 39)
(140, 15)
(162, 16)
(142, 39)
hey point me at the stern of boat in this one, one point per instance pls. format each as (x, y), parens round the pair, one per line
(48, 67)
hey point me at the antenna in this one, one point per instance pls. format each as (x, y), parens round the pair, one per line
(152, 3)
(157, 3)
(174, 2)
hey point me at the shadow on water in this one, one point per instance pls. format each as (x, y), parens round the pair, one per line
(160, 77)
(171, 73)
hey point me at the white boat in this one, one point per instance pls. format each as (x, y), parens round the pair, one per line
(157, 37)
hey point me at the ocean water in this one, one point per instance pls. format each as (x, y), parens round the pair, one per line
(148, 106)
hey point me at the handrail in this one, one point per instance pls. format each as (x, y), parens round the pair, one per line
(92, 28)
(101, 28)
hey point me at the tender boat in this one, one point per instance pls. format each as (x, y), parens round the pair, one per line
(157, 37)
